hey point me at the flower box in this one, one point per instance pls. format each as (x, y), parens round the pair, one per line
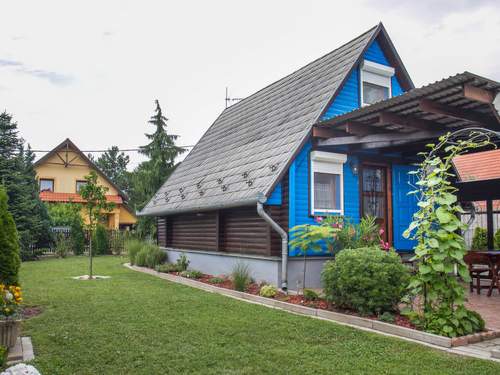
(9, 332)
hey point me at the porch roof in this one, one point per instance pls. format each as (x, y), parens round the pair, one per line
(462, 101)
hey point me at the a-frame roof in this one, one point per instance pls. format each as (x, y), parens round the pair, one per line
(249, 147)
(68, 145)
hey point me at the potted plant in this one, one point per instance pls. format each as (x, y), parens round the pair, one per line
(10, 322)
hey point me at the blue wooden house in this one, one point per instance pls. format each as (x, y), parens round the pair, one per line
(336, 137)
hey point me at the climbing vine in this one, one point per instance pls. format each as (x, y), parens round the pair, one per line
(437, 297)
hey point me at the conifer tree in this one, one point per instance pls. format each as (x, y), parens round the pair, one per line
(148, 177)
(9, 244)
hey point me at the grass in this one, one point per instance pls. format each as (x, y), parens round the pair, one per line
(134, 323)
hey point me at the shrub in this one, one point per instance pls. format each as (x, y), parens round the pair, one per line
(9, 244)
(132, 247)
(268, 291)
(192, 274)
(367, 280)
(62, 245)
(387, 317)
(77, 236)
(100, 241)
(167, 267)
(480, 239)
(241, 276)
(153, 256)
(3, 356)
(182, 262)
(446, 322)
(216, 280)
(497, 239)
(310, 295)
(353, 236)
(140, 258)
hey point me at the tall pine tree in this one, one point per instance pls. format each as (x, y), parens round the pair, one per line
(19, 179)
(151, 174)
(114, 165)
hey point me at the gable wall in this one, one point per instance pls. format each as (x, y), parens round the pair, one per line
(65, 177)
(348, 99)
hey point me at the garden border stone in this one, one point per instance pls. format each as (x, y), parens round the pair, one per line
(340, 318)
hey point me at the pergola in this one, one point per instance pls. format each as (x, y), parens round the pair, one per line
(406, 123)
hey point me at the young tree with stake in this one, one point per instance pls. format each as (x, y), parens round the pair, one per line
(95, 205)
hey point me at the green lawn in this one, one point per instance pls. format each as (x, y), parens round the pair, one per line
(139, 324)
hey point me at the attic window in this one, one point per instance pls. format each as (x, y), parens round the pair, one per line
(375, 82)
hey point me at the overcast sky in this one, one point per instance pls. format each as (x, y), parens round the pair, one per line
(90, 70)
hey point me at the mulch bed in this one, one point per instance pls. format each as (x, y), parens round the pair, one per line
(298, 299)
(31, 311)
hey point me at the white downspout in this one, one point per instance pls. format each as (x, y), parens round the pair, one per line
(284, 242)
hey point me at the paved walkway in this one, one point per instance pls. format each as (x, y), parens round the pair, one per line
(488, 307)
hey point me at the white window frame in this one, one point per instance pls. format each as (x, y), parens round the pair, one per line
(376, 74)
(331, 163)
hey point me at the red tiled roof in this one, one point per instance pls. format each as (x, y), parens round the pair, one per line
(479, 166)
(49, 196)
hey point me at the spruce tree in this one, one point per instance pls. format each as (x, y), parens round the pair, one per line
(114, 165)
(151, 174)
(9, 244)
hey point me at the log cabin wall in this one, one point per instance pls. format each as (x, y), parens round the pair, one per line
(236, 230)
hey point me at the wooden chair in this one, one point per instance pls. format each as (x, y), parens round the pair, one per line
(481, 268)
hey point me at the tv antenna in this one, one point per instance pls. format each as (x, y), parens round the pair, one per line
(230, 100)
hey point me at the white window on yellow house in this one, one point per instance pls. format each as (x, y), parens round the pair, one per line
(80, 184)
(46, 184)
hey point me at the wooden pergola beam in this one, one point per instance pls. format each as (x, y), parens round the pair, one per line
(405, 121)
(356, 128)
(382, 138)
(478, 94)
(326, 133)
(436, 108)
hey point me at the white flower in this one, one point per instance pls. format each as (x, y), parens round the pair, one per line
(9, 296)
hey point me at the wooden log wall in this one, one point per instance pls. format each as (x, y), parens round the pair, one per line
(236, 230)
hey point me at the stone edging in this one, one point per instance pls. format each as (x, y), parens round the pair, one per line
(346, 319)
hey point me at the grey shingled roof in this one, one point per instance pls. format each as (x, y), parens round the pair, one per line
(250, 144)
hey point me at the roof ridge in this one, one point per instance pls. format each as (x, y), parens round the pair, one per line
(302, 67)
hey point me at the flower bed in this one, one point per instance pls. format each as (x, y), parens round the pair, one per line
(296, 299)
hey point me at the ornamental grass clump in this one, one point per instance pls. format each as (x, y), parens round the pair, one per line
(367, 280)
(241, 277)
(437, 303)
(132, 247)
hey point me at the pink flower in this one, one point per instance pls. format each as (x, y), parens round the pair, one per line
(318, 219)
(380, 232)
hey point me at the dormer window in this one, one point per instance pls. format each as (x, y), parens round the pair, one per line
(375, 82)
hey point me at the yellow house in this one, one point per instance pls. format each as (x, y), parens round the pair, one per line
(60, 174)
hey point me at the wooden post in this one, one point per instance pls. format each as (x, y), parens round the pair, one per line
(489, 223)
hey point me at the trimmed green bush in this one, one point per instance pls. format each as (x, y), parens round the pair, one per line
(167, 267)
(77, 236)
(310, 295)
(268, 291)
(241, 277)
(387, 317)
(132, 247)
(193, 274)
(10, 260)
(216, 280)
(480, 239)
(367, 280)
(101, 241)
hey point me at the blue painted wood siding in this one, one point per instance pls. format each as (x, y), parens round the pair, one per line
(275, 197)
(404, 205)
(299, 173)
(348, 98)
